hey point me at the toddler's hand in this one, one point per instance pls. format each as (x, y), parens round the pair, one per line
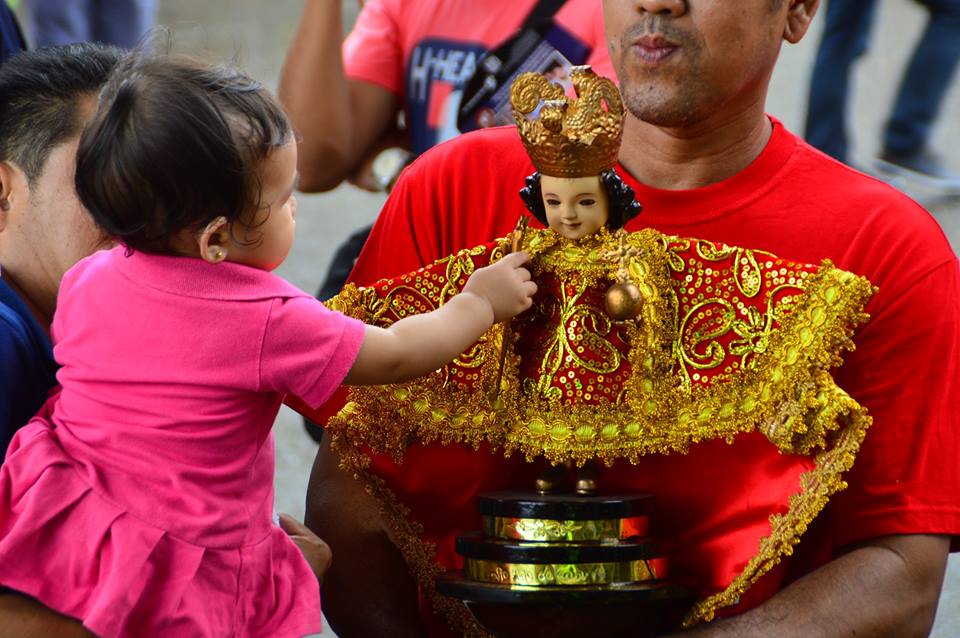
(505, 285)
(312, 547)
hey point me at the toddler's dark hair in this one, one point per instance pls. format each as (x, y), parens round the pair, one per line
(175, 144)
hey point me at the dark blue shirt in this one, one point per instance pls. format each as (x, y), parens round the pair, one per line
(11, 39)
(27, 368)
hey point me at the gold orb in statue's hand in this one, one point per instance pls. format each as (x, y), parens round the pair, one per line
(624, 301)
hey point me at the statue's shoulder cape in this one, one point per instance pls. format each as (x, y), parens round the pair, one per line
(729, 340)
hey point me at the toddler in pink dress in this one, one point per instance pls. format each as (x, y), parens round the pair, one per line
(140, 499)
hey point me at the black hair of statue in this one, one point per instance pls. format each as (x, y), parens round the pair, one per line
(40, 99)
(623, 201)
(175, 144)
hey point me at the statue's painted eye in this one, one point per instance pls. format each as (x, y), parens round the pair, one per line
(587, 202)
(553, 202)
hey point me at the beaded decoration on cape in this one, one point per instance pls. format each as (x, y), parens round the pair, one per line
(569, 138)
(729, 341)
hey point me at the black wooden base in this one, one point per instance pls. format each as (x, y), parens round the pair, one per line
(475, 545)
(564, 507)
(643, 610)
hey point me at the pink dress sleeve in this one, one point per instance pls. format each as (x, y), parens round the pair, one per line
(373, 51)
(307, 350)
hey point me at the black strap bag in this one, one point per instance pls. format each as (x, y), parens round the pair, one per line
(536, 46)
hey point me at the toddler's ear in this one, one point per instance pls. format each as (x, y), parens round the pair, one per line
(213, 240)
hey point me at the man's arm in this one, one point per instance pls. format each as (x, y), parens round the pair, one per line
(23, 617)
(338, 120)
(885, 587)
(368, 590)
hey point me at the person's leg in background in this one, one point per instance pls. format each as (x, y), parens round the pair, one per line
(58, 22)
(123, 22)
(845, 37)
(922, 91)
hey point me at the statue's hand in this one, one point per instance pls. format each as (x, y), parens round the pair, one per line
(505, 285)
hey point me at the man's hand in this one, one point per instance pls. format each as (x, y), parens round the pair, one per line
(888, 586)
(312, 547)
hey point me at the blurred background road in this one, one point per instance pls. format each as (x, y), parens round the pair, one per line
(256, 34)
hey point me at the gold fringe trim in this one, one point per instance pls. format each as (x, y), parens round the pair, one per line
(420, 555)
(817, 486)
(785, 394)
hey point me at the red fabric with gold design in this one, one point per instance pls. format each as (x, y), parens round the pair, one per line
(728, 341)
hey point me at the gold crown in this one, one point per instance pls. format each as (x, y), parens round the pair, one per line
(570, 138)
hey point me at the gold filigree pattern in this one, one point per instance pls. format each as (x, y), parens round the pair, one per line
(730, 341)
(569, 138)
(670, 398)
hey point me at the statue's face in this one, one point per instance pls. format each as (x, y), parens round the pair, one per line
(576, 207)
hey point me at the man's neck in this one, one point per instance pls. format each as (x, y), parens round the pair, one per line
(696, 156)
(39, 298)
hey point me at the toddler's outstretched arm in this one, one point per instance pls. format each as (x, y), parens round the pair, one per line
(420, 344)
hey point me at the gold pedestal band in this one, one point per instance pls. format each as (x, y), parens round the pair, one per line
(551, 531)
(570, 574)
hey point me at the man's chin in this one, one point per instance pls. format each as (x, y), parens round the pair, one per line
(652, 104)
(664, 116)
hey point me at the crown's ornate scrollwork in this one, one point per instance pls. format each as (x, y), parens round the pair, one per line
(569, 137)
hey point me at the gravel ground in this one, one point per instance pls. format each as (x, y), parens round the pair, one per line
(257, 34)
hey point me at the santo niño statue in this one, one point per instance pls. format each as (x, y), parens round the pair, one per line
(639, 345)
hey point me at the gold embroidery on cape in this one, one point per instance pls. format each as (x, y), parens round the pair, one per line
(407, 534)
(709, 359)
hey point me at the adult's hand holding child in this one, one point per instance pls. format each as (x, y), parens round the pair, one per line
(313, 548)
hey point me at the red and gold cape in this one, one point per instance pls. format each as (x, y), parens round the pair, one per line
(729, 341)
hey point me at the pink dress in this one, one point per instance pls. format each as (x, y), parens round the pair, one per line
(140, 500)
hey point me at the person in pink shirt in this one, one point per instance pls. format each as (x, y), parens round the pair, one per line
(404, 56)
(151, 470)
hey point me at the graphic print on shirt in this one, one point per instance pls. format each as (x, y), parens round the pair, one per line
(438, 69)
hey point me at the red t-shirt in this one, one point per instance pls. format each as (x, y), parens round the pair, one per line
(424, 51)
(792, 201)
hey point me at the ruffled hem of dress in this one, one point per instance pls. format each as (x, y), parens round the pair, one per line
(124, 577)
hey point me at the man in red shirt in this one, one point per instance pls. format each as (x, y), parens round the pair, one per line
(706, 161)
